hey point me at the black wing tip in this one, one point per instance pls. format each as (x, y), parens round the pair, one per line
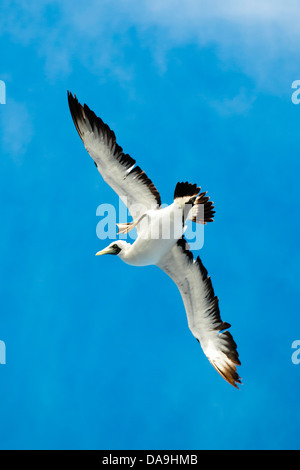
(235, 380)
(227, 370)
(83, 117)
(76, 111)
(72, 99)
(230, 375)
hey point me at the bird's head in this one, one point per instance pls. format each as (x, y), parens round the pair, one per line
(115, 248)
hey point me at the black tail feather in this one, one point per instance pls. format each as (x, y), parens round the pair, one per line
(202, 210)
(201, 214)
(186, 190)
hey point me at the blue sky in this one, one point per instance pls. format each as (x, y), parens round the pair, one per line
(99, 354)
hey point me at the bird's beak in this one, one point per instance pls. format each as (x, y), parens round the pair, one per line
(107, 251)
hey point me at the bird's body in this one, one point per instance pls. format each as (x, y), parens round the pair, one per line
(160, 238)
(160, 229)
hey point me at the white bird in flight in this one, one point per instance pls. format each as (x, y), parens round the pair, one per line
(170, 253)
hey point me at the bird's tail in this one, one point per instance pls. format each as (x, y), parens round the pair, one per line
(186, 193)
(201, 209)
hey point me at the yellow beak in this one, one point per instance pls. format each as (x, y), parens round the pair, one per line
(106, 251)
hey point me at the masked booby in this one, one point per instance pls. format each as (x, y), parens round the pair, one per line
(170, 253)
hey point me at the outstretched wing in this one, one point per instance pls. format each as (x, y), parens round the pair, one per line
(118, 169)
(202, 310)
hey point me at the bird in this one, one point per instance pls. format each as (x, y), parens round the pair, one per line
(170, 253)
